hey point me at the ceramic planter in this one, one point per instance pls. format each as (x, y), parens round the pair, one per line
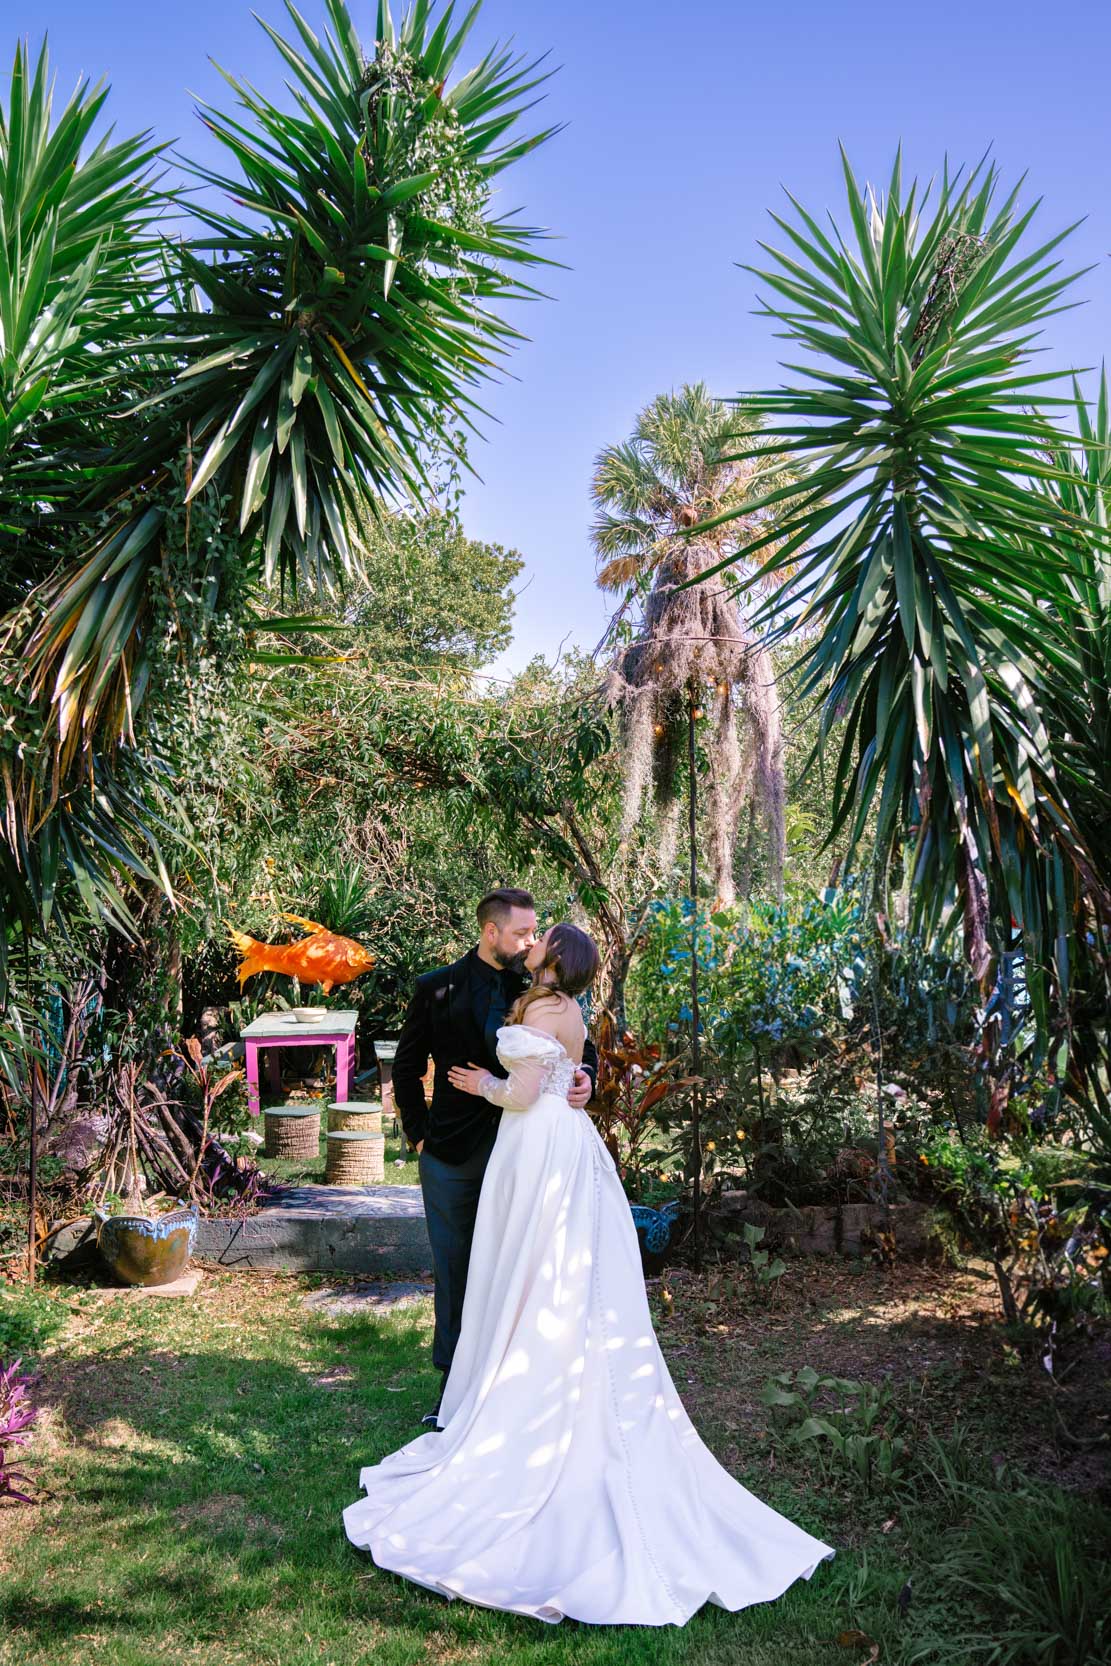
(148, 1249)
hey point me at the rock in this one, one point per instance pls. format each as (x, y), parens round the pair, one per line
(829, 1229)
(72, 1246)
(378, 1231)
(183, 1286)
(378, 1297)
(76, 1145)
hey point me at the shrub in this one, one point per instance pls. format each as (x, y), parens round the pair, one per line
(16, 1417)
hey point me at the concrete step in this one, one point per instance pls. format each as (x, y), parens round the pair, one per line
(324, 1229)
(378, 1230)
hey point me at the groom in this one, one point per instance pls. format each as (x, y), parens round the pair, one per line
(454, 1017)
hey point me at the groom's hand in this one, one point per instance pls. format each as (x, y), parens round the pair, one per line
(581, 1089)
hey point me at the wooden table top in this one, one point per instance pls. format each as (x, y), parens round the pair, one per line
(334, 1022)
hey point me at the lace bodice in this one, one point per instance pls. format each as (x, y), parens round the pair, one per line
(537, 1063)
(518, 1042)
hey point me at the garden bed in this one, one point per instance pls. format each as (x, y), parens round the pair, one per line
(832, 1228)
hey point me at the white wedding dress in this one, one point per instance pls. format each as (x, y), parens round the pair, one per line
(567, 1480)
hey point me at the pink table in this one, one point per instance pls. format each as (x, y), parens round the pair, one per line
(334, 1028)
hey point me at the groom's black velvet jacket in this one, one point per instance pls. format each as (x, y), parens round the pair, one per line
(447, 1021)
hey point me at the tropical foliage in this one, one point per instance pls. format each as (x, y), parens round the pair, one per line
(234, 397)
(949, 546)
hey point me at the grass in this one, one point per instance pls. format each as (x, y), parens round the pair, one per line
(194, 1456)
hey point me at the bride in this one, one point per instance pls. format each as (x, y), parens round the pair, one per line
(566, 1480)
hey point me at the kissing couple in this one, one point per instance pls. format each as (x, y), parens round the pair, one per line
(560, 1476)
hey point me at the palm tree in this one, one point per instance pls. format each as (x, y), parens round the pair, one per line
(694, 650)
(182, 420)
(955, 545)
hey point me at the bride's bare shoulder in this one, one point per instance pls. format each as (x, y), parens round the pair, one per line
(544, 1013)
(559, 1016)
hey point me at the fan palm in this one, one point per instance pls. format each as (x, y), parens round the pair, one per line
(938, 518)
(694, 649)
(278, 369)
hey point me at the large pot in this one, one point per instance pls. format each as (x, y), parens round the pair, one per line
(148, 1249)
(655, 1230)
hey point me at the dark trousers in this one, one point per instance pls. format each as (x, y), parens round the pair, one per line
(450, 1205)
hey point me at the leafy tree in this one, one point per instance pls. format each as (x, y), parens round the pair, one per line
(427, 595)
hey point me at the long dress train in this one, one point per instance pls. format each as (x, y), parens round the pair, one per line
(568, 1480)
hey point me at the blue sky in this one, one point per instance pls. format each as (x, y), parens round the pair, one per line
(683, 125)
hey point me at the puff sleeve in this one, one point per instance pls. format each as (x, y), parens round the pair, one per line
(527, 1055)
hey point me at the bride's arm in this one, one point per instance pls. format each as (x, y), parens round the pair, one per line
(527, 1072)
(516, 1092)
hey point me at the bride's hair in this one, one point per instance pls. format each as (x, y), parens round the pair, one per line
(573, 958)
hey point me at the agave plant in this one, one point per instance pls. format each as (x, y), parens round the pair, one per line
(233, 398)
(936, 512)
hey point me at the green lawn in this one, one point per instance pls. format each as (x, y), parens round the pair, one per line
(194, 1457)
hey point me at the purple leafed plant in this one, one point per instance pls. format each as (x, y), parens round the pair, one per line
(16, 1416)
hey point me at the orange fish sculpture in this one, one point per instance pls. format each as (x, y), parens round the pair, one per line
(321, 957)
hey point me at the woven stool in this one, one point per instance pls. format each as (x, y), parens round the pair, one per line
(292, 1131)
(361, 1116)
(355, 1159)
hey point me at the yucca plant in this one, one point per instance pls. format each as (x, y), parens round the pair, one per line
(76, 223)
(76, 244)
(1074, 697)
(919, 427)
(284, 365)
(1074, 693)
(345, 903)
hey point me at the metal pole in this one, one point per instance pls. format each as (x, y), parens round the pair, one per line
(696, 1044)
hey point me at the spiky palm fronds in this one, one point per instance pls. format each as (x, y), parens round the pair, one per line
(333, 332)
(75, 246)
(693, 646)
(76, 250)
(1074, 693)
(284, 368)
(1074, 699)
(919, 449)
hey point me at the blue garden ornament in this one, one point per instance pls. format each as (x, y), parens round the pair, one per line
(655, 1228)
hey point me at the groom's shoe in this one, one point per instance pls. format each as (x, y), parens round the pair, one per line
(431, 1419)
